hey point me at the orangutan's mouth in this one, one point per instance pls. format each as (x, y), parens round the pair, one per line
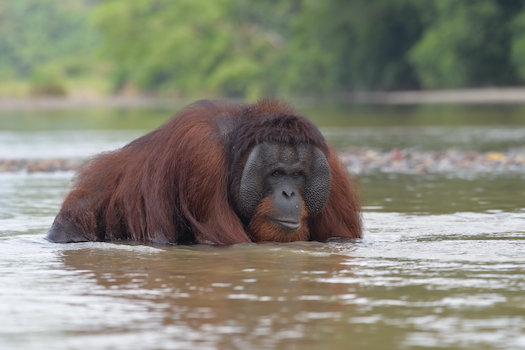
(290, 225)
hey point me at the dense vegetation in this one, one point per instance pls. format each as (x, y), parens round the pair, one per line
(253, 48)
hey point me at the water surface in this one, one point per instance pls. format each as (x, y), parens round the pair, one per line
(442, 263)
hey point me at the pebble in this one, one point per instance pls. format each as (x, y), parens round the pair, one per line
(362, 161)
(39, 165)
(359, 161)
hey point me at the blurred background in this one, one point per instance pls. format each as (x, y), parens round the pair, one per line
(424, 100)
(248, 49)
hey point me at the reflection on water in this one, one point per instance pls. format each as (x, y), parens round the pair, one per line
(445, 279)
(242, 297)
(443, 193)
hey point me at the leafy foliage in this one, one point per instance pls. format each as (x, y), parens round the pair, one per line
(243, 48)
(465, 45)
(34, 33)
(228, 47)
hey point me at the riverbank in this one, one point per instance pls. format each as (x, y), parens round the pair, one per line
(513, 95)
(359, 161)
(65, 103)
(467, 96)
(362, 161)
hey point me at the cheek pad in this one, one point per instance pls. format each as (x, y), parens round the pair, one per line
(251, 189)
(317, 187)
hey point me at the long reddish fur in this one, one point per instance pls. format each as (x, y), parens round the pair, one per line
(178, 183)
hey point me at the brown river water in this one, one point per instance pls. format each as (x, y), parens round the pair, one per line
(441, 265)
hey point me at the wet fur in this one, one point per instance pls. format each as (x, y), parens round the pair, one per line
(180, 183)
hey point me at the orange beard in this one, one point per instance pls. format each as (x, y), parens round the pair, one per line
(263, 229)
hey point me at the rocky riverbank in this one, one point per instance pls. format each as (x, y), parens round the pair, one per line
(364, 161)
(360, 161)
(39, 165)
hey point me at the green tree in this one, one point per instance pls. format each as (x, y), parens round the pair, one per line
(518, 43)
(37, 33)
(224, 47)
(246, 48)
(465, 44)
(242, 47)
(373, 39)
